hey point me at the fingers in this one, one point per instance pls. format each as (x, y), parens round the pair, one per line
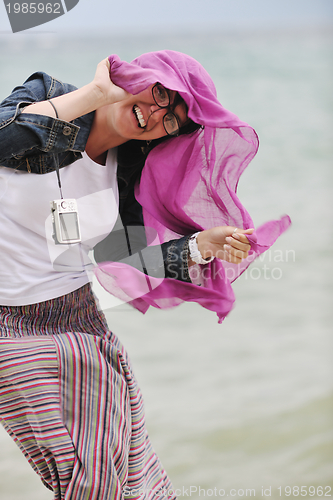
(233, 255)
(239, 242)
(239, 234)
(243, 231)
(238, 246)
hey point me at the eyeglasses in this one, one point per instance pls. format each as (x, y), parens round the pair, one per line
(162, 99)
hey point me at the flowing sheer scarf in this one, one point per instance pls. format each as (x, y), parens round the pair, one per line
(188, 184)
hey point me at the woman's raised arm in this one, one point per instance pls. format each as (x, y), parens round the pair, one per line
(100, 92)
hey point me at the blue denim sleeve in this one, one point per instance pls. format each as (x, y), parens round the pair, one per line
(175, 257)
(128, 245)
(28, 141)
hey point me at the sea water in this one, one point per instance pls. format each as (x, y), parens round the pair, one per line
(244, 408)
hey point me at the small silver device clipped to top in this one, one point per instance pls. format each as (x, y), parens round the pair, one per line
(65, 220)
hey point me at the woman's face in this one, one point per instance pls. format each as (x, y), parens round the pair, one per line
(139, 117)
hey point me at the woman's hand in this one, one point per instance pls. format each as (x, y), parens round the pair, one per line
(224, 242)
(107, 92)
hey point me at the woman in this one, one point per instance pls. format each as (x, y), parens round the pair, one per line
(68, 396)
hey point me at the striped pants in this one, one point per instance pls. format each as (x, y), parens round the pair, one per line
(70, 401)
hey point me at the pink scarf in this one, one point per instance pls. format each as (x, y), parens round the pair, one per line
(189, 184)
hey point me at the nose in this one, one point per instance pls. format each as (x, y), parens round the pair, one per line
(156, 112)
(155, 115)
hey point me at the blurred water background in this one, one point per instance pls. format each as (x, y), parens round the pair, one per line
(246, 404)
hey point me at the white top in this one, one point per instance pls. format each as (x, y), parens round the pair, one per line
(32, 267)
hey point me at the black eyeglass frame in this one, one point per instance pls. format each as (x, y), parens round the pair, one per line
(170, 113)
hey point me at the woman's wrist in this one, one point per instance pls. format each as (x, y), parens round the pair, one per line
(80, 102)
(195, 254)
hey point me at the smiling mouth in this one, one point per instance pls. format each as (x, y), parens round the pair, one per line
(139, 116)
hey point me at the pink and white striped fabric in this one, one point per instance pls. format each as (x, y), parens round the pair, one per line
(70, 401)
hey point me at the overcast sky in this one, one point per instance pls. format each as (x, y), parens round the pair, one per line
(153, 15)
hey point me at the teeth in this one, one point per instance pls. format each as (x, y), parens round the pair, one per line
(139, 116)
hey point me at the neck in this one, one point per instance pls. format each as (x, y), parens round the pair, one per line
(101, 137)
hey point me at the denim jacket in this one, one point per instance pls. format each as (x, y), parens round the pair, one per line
(32, 142)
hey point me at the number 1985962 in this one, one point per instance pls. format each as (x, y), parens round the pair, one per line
(303, 491)
(33, 8)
